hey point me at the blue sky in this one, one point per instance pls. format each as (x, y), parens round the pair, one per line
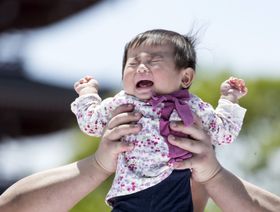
(240, 35)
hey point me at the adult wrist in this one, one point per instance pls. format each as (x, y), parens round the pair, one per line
(99, 165)
(214, 175)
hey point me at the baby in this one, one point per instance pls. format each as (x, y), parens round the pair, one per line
(158, 68)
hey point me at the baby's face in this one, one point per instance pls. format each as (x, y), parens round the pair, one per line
(151, 70)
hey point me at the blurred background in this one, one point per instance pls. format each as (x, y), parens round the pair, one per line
(45, 46)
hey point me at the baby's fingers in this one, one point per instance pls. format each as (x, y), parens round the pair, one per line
(88, 77)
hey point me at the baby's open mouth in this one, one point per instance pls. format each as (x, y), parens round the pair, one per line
(144, 84)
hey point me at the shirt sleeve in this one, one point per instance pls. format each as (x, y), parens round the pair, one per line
(92, 113)
(223, 123)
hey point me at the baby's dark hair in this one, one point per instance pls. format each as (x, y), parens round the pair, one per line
(184, 46)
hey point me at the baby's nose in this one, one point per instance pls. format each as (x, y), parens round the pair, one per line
(142, 68)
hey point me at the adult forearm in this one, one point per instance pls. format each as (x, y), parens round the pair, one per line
(231, 194)
(54, 190)
(267, 200)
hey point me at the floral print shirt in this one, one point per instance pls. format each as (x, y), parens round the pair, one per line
(149, 162)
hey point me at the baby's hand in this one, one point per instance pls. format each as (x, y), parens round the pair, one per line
(233, 89)
(86, 85)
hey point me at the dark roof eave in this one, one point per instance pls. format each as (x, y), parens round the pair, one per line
(30, 14)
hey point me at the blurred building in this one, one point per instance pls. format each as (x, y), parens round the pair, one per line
(31, 14)
(29, 107)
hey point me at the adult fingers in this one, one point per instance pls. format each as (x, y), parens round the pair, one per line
(197, 121)
(188, 144)
(121, 146)
(185, 164)
(193, 131)
(123, 117)
(125, 129)
(122, 109)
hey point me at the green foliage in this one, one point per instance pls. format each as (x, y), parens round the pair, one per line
(84, 145)
(262, 101)
(263, 118)
(270, 143)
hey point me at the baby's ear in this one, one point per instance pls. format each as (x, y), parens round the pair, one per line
(187, 77)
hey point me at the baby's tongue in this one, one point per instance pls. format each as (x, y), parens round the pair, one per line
(145, 83)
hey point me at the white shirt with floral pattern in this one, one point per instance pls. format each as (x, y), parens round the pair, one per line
(147, 164)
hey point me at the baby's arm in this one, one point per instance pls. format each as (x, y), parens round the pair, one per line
(90, 112)
(223, 123)
(229, 114)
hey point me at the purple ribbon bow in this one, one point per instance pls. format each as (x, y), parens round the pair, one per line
(177, 101)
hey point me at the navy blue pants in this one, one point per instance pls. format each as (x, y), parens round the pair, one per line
(171, 195)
